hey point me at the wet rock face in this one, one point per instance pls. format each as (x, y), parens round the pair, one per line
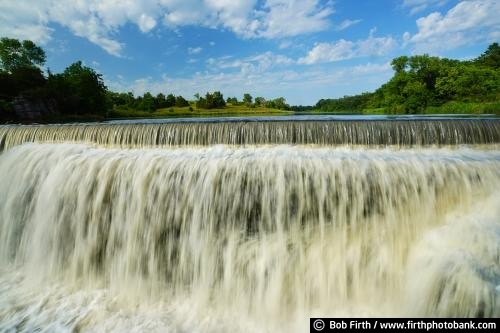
(31, 109)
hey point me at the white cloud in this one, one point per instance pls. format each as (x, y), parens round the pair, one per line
(185, 12)
(283, 18)
(468, 22)
(305, 87)
(267, 60)
(328, 52)
(234, 15)
(95, 20)
(372, 68)
(251, 18)
(194, 50)
(253, 65)
(268, 75)
(344, 49)
(100, 20)
(92, 30)
(417, 6)
(146, 23)
(24, 20)
(346, 24)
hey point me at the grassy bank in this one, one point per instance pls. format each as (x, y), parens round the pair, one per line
(458, 108)
(465, 108)
(192, 111)
(447, 108)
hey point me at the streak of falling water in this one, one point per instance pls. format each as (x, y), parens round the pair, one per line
(254, 238)
(396, 133)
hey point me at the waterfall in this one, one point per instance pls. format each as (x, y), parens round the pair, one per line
(155, 228)
(395, 132)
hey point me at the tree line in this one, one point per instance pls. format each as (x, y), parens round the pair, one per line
(211, 100)
(146, 102)
(422, 81)
(80, 91)
(248, 101)
(77, 90)
(419, 82)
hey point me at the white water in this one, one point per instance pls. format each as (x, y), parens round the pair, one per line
(203, 133)
(249, 239)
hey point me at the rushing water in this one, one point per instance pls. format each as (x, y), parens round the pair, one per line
(407, 132)
(276, 223)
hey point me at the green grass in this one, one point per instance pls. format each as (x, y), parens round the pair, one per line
(465, 108)
(192, 111)
(377, 111)
(243, 110)
(447, 108)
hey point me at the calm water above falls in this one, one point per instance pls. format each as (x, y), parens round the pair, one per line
(275, 223)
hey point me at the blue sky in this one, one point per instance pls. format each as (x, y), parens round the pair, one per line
(303, 50)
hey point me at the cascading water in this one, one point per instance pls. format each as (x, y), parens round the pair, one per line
(373, 132)
(249, 235)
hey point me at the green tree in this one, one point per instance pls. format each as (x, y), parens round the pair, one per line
(491, 57)
(278, 103)
(160, 101)
(19, 74)
(15, 54)
(27, 78)
(446, 83)
(181, 102)
(416, 97)
(247, 99)
(425, 69)
(79, 90)
(218, 99)
(126, 99)
(232, 100)
(413, 86)
(213, 100)
(421, 81)
(346, 104)
(148, 102)
(170, 101)
(477, 84)
(23, 80)
(260, 101)
(400, 64)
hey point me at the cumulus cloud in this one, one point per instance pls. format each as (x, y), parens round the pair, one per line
(468, 22)
(251, 18)
(304, 87)
(24, 20)
(283, 18)
(100, 20)
(345, 49)
(95, 20)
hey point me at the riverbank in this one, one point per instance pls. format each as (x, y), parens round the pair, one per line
(192, 111)
(451, 108)
(447, 108)
(458, 108)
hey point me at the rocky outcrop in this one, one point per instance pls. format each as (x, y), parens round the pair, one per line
(32, 109)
